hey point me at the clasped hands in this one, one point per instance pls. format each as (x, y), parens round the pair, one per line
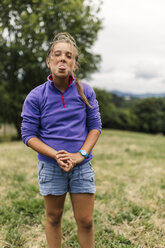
(67, 160)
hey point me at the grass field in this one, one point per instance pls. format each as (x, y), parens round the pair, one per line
(130, 199)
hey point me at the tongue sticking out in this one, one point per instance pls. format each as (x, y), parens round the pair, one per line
(62, 67)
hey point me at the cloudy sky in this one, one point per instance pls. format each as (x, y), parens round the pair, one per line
(132, 46)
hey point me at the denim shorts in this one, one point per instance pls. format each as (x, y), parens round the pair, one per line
(55, 181)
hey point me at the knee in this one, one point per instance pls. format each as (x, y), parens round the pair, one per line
(85, 223)
(54, 218)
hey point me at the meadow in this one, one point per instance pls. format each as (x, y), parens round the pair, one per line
(129, 203)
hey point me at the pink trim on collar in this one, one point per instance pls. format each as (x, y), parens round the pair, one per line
(50, 78)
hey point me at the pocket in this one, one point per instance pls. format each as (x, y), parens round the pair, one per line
(40, 167)
(44, 174)
(45, 178)
(87, 172)
(91, 167)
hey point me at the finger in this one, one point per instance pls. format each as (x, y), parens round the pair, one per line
(61, 155)
(67, 168)
(62, 164)
(72, 161)
(61, 151)
(66, 163)
(64, 158)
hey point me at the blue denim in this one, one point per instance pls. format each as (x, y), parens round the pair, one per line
(55, 181)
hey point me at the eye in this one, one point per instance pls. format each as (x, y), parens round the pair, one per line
(57, 54)
(69, 56)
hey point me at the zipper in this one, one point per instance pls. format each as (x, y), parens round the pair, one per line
(62, 94)
(63, 102)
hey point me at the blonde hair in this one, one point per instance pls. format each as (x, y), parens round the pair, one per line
(66, 37)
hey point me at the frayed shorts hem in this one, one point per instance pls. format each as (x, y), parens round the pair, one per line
(55, 194)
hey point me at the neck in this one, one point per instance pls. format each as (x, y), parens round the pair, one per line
(61, 83)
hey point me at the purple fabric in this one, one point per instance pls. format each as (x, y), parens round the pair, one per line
(60, 120)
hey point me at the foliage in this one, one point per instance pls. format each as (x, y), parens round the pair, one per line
(105, 105)
(26, 28)
(122, 102)
(150, 115)
(144, 115)
(113, 112)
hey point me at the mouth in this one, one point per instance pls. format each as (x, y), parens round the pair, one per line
(62, 67)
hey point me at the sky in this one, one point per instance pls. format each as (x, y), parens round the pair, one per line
(132, 46)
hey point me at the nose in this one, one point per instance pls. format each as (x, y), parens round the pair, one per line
(62, 58)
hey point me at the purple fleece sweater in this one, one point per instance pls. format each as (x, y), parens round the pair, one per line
(60, 120)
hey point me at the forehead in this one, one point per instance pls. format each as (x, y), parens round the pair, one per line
(64, 47)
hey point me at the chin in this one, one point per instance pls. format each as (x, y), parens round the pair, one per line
(62, 76)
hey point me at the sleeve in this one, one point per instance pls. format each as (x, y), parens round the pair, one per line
(30, 117)
(93, 114)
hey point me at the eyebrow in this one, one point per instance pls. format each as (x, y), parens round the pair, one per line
(61, 51)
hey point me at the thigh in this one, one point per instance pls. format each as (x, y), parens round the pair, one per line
(54, 204)
(83, 205)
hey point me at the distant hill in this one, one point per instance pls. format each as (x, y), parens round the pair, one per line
(131, 95)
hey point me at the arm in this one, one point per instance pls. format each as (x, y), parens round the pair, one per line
(91, 140)
(39, 146)
(89, 143)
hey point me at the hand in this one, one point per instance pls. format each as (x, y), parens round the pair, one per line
(66, 165)
(64, 156)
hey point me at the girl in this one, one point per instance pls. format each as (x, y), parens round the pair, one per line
(61, 121)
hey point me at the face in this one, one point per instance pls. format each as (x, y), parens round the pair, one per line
(62, 60)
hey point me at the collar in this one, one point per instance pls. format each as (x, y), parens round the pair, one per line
(50, 79)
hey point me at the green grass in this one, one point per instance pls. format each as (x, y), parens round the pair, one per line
(129, 203)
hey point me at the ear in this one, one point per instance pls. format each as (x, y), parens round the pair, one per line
(48, 62)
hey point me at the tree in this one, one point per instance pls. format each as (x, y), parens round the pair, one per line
(150, 113)
(26, 28)
(112, 114)
(106, 106)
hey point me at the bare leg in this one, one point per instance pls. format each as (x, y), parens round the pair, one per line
(83, 205)
(54, 209)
